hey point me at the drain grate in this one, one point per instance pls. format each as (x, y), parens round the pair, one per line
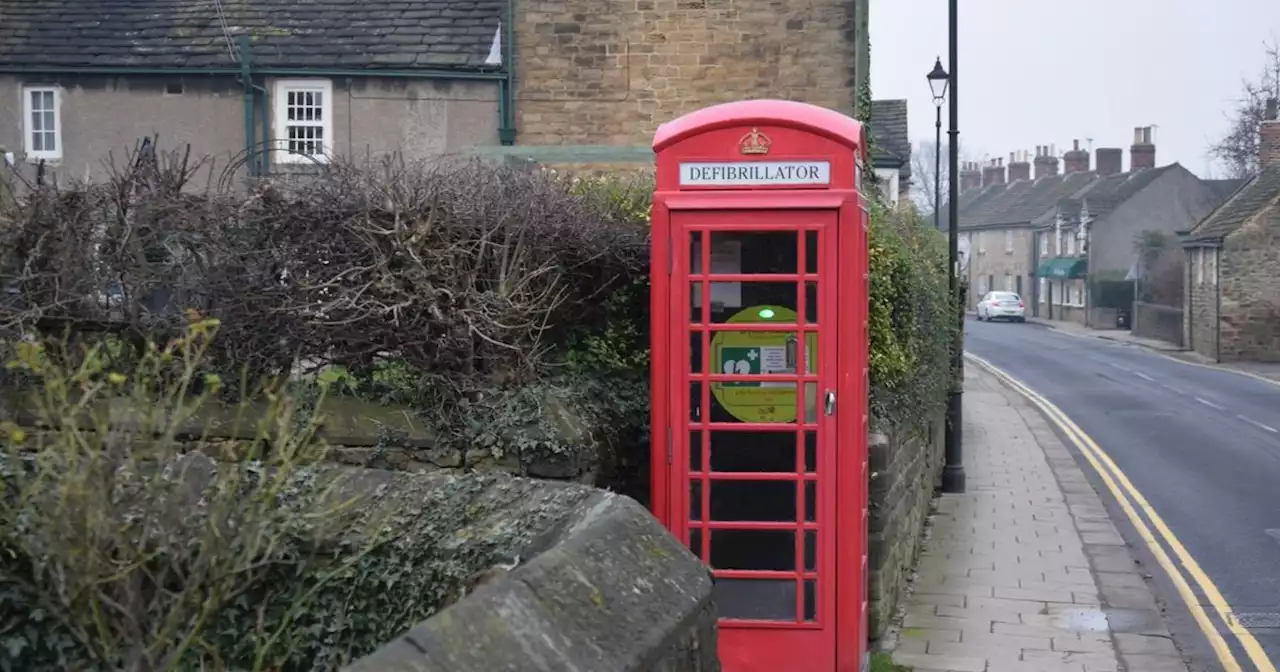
(1258, 620)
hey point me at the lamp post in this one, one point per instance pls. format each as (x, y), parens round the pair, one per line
(953, 471)
(938, 81)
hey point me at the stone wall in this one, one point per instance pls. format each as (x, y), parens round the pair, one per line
(1250, 285)
(613, 592)
(609, 73)
(906, 469)
(996, 266)
(1201, 313)
(1161, 323)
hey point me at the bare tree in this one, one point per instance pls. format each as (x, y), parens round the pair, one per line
(1237, 149)
(922, 170)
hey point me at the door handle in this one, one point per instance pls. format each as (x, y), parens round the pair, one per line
(829, 402)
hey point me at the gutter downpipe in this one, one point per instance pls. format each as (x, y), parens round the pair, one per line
(507, 86)
(246, 79)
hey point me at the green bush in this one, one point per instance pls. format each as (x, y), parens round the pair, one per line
(120, 552)
(912, 327)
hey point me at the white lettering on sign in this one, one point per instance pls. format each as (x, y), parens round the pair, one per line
(745, 174)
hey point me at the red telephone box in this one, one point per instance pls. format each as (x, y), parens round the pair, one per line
(759, 322)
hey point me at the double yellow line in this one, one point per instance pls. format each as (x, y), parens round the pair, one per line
(1131, 501)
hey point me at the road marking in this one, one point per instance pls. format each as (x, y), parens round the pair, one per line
(1123, 490)
(1208, 403)
(1117, 366)
(1274, 533)
(1144, 376)
(1172, 389)
(1259, 425)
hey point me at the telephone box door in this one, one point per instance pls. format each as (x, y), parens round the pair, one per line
(753, 463)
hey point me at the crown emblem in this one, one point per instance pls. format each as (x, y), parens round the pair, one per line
(754, 142)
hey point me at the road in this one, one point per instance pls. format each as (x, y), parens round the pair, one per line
(1201, 445)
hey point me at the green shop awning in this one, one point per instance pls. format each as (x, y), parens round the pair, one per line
(1063, 268)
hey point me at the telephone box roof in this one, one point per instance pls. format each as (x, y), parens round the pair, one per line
(803, 116)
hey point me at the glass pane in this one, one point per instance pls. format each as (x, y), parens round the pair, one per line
(752, 302)
(753, 452)
(695, 303)
(695, 450)
(810, 600)
(695, 351)
(317, 99)
(695, 402)
(810, 501)
(50, 141)
(764, 550)
(695, 500)
(811, 451)
(811, 302)
(695, 543)
(810, 251)
(755, 599)
(758, 501)
(810, 550)
(49, 122)
(37, 142)
(751, 252)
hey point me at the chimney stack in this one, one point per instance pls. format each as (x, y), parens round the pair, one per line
(970, 176)
(1046, 161)
(1019, 166)
(993, 173)
(1269, 145)
(1076, 160)
(1110, 160)
(1142, 154)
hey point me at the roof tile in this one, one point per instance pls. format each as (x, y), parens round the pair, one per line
(285, 33)
(1251, 199)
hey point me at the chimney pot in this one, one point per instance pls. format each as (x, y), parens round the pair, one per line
(1076, 160)
(1110, 160)
(1142, 154)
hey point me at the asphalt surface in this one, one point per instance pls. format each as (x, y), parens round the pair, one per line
(1201, 445)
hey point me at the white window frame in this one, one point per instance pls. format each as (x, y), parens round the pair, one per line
(1008, 241)
(1043, 297)
(280, 111)
(1071, 245)
(1199, 261)
(982, 244)
(28, 141)
(1044, 244)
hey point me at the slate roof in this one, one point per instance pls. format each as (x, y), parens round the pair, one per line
(1251, 199)
(1019, 203)
(891, 143)
(402, 34)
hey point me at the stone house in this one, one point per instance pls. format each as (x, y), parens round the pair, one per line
(1093, 233)
(557, 80)
(1043, 235)
(891, 149)
(1232, 281)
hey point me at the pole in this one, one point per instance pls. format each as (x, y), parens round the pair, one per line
(953, 472)
(937, 169)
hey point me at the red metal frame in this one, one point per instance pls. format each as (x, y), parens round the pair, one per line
(835, 641)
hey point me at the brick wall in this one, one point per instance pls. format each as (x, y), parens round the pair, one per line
(594, 73)
(906, 469)
(1250, 312)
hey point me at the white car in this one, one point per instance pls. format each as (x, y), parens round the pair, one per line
(1002, 306)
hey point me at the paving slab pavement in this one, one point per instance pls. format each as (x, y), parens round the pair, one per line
(1025, 571)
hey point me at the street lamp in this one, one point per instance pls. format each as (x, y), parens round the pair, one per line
(953, 471)
(938, 82)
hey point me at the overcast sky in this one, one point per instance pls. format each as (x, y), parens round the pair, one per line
(1034, 72)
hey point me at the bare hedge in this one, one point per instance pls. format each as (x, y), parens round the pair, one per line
(469, 273)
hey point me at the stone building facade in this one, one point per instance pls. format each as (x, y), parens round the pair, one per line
(1232, 279)
(606, 79)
